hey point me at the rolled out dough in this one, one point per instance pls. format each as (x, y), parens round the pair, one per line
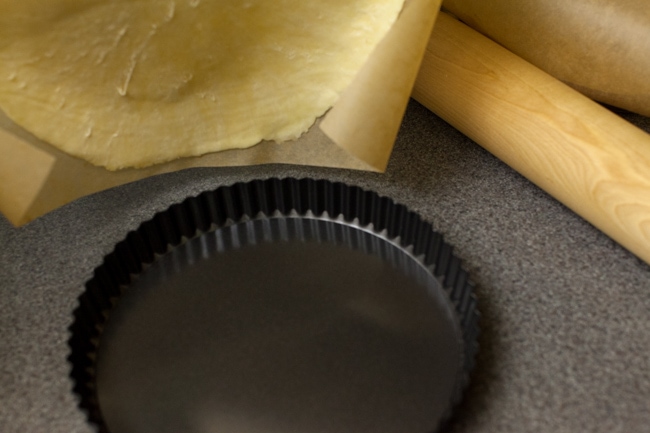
(126, 83)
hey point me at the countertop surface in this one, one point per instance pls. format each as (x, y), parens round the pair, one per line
(565, 342)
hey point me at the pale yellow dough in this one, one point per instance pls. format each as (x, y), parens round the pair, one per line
(125, 83)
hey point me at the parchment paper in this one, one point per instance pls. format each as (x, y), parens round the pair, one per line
(36, 178)
(601, 48)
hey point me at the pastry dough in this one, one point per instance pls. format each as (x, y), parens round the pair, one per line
(126, 83)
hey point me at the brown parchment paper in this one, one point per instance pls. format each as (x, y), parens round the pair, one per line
(36, 178)
(599, 47)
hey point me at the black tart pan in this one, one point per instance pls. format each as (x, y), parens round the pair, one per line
(279, 305)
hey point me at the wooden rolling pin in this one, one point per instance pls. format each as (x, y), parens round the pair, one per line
(582, 154)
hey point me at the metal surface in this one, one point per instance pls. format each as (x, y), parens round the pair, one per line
(271, 325)
(250, 308)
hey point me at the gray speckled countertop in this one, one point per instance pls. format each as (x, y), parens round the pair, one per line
(565, 343)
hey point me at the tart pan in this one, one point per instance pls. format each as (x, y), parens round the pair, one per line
(276, 305)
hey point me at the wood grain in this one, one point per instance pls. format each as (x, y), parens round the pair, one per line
(582, 154)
